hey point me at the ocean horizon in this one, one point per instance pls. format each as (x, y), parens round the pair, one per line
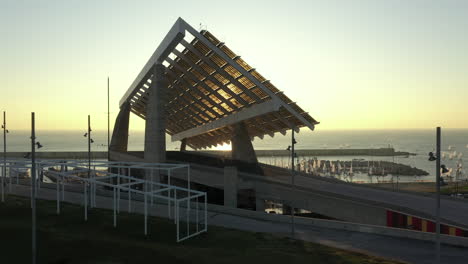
(417, 141)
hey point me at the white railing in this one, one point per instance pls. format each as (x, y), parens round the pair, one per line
(186, 206)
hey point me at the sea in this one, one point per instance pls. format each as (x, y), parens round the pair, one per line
(420, 142)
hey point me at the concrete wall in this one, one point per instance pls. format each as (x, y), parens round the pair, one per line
(339, 225)
(339, 208)
(230, 186)
(343, 209)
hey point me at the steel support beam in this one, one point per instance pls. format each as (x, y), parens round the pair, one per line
(244, 114)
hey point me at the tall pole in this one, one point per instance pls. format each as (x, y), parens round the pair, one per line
(89, 145)
(438, 197)
(292, 179)
(4, 157)
(33, 185)
(108, 122)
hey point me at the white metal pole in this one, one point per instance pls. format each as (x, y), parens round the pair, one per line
(206, 212)
(152, 180)
(169, 195)
(115, 213)
(93, 188)
(188, 177)
(3, 176)
(129, 192)
(39, 172)
(146, 215)
(85, 200)
(175, 201)
(63, 188)
(188, 214)
(198, 208)
(130, 200)
(177, 218)
(58, 195)
(118, 192)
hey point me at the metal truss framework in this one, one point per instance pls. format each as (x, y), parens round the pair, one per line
(208, 82)
(186, 206)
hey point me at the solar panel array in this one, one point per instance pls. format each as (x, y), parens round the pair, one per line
(208, 81)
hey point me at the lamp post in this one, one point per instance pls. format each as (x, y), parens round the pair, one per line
(90, 140)
(108, 122)
(33, 184)
(5, 131)
(293, 154)
(89, 145)
(438, 196)
(436, 158)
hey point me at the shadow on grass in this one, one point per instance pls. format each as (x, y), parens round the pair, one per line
(67, 238)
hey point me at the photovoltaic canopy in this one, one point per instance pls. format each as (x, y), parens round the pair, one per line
(210, 88)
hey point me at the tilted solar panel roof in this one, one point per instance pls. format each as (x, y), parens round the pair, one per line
(210, 88)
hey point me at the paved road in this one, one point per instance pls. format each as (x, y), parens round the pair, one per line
(408, 250)
(453, 211)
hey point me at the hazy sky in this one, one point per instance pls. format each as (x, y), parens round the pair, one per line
(350, 64)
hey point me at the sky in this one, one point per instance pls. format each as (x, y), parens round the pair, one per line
(362, 64)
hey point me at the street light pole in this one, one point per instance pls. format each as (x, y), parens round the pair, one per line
(438, 195)
(33, 186)
(4, 157)
(108, 122)
(293, 142)
(89, 146)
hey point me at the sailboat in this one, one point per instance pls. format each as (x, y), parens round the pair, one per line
(332, 169)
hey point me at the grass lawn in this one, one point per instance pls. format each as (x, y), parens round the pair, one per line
(68, 239)
(452, 189)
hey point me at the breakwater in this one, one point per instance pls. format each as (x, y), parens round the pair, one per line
(323, 152)
(226, 153)
(59, 155)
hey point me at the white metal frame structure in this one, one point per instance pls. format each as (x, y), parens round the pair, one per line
(187, 207)
(210, 88)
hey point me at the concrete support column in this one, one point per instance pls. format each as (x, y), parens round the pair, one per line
(155, 130)
(260, 205)
(119, 141)
(183, 144)
(230, 186)
(242, 148)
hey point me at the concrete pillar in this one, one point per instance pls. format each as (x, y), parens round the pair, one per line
(260, 205)
(183, 144)
(155, 130)
(242, 148)
(119, 141)
(230, 186)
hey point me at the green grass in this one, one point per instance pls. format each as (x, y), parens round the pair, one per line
(68, 239)
(452, 189)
